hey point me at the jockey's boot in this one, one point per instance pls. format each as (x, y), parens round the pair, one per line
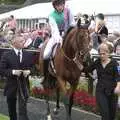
(45, 67)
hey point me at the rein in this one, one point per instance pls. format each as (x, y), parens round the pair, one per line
(79, 65)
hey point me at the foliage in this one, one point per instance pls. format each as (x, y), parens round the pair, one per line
(2, 117)
(22, 1)
(81, 96)
(2, 82)
(12, 1)
(85, 101)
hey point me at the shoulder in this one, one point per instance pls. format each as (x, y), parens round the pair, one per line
(97, 61)
(52, 20)
(114, 61)
(52, 13)
(68, 11)
(105, 27)
(7, 53)
(28, 53)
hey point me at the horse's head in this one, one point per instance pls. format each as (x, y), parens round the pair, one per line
(77, 45)
(82, 40)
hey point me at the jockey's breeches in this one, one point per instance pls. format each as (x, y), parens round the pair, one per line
(48, 49)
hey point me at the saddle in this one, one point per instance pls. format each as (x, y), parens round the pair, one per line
(51, 67)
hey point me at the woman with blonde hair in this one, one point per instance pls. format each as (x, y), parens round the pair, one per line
(108, 84)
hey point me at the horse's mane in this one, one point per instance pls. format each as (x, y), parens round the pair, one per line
(67, 32)
(78, 26)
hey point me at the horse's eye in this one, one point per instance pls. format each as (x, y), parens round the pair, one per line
(81, 52)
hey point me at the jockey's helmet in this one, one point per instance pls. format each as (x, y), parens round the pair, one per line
(57, 2)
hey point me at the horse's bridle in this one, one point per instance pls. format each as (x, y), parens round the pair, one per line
(80, 55)
(84, 52)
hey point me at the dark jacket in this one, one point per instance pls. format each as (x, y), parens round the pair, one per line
(10, 61)
(103, 32)
(107, 77)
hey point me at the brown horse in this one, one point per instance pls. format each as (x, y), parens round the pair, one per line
(69, 62)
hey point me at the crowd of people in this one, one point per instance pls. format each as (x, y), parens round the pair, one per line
(35, 37)
(60, 20)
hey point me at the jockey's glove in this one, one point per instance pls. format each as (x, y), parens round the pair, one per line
(16, 72)
(26, 72)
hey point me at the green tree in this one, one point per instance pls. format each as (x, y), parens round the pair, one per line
(12, 1)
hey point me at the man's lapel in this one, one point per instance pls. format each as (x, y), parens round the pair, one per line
(15, 56)
(23, 56)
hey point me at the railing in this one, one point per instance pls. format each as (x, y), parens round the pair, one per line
(117, 57)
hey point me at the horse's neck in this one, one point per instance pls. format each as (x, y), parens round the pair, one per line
(68, 49)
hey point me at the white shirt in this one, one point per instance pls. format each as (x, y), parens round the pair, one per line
(16, 51)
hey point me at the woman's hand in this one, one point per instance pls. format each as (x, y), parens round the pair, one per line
(117, 88)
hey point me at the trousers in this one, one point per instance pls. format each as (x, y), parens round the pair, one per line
(107, 105)
(22, 108)
(48, 49)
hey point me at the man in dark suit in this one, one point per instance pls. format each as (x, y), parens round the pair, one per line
(16, 66)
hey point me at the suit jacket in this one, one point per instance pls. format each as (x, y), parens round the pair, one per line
(10, 61)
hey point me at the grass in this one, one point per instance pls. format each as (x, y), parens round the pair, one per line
(3, 117)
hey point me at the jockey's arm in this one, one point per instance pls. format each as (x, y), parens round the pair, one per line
(55, 31)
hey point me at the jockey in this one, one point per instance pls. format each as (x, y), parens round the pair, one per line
(59, 20)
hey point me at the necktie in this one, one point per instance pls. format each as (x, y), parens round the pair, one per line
(19, 55)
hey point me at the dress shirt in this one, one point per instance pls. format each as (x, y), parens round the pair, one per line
(18, 50)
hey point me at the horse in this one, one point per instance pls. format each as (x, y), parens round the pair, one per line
(68, 64)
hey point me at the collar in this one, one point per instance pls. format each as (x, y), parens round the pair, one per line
(17, 50)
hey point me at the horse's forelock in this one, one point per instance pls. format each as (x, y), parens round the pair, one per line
(78, 38)
(82, 38)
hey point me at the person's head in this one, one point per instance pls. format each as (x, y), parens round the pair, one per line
(100, 18)
(9, 35)
(11, 17)
(58, 5)
(85, 16)
(105, 49)
(18, 42)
